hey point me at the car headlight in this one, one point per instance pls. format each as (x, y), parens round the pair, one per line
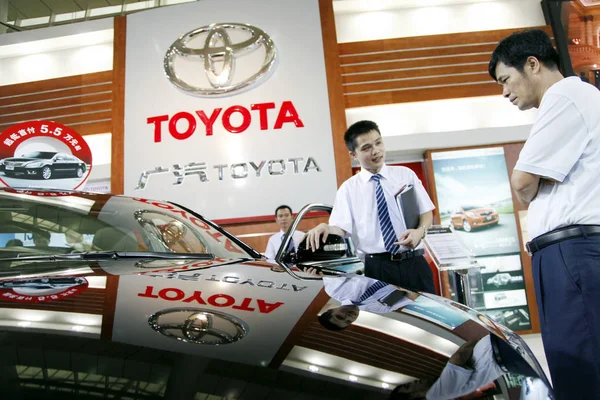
(36, 164)
(1, 162)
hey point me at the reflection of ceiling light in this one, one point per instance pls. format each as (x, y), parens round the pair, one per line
(385, 385)
(78, 328)
(352, 378)
(24, 323)
(313, 368)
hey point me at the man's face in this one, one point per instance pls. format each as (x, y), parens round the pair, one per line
(369, 151)
(518, 87)
(344, 316)
(41, 241)
(283, 219)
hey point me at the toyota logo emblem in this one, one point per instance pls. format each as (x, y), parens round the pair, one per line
(224, 45)
(200, 326)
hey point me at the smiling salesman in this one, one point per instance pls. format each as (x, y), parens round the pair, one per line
(557, 177)
(365, 208)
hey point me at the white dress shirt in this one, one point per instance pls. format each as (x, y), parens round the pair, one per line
(275, 243)
(355, 207)
(564, 145)
(456, 381)
(351, 287)
(534, 389)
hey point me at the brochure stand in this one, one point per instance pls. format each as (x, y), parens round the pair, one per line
(450, 254)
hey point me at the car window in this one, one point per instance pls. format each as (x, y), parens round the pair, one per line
(45, 224)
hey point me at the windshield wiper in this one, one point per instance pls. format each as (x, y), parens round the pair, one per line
(113, 255)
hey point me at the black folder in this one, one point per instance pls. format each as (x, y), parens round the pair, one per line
(406, 198)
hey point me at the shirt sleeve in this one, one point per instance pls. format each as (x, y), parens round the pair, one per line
(425, 203)
(271, 250)
(450, 383)
(341, 215)
(557, 140)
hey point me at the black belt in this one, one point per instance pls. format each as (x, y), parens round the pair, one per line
(405, 255)
(559, 235)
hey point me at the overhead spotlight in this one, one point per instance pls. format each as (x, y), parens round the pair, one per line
(24, 324)
(78, 328)
(385, 385)
(313, 368)
(352, 378)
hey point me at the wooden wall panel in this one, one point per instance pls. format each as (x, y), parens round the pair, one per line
(511, 154)
(420, 68)
(376, 349)
(337, 107)
(83, 102)
(117, 180)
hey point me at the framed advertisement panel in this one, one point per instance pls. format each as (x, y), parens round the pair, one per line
(471, 190)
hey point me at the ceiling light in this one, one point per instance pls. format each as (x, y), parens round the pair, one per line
(24, 323)
(313, 368)
(385, 385)
(78, 328)
(352, 378)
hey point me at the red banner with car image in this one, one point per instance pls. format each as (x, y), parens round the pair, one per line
(43, 154)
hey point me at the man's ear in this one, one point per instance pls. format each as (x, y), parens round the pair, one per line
(533, 64)
(352, 155)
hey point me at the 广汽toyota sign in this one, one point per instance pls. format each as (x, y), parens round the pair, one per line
(226, 107)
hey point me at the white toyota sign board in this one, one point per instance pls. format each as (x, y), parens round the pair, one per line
(249, 309)
(226, 107)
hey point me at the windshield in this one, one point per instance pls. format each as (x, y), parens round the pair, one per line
(41, 223)
(46, 155)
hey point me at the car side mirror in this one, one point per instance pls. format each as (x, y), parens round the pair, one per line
(335, 247)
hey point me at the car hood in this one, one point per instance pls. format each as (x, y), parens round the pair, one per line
(24, 159)
(233, 310)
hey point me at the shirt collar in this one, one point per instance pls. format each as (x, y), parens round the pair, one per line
(366, 175)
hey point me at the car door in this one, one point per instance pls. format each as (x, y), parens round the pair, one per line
(59, 163)
(336, 255)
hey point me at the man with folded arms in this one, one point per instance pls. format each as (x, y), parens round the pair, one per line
(556, 176)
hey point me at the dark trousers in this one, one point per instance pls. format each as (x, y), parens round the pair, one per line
(413, 273)
(567, 286)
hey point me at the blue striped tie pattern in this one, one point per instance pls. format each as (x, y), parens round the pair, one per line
(385, 223)
(291, 246)
(370, 291)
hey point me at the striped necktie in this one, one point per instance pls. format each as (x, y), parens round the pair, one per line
(291, 246)
(385, 223)
(370, 291)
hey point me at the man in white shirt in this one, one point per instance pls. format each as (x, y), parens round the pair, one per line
(284, 218)
(556, 176)
(365, 208)
(356, 293)
(475, 364)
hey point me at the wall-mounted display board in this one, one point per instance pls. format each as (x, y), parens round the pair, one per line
(472, 192)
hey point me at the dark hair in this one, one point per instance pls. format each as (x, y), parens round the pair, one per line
(396, 394)
(514, 50)
(325, 321)
(357, 129)
(44, 234)
(14, 242)
(281, 207)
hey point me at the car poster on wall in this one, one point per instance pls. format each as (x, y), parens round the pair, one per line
(475, 200)
(43, 154)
